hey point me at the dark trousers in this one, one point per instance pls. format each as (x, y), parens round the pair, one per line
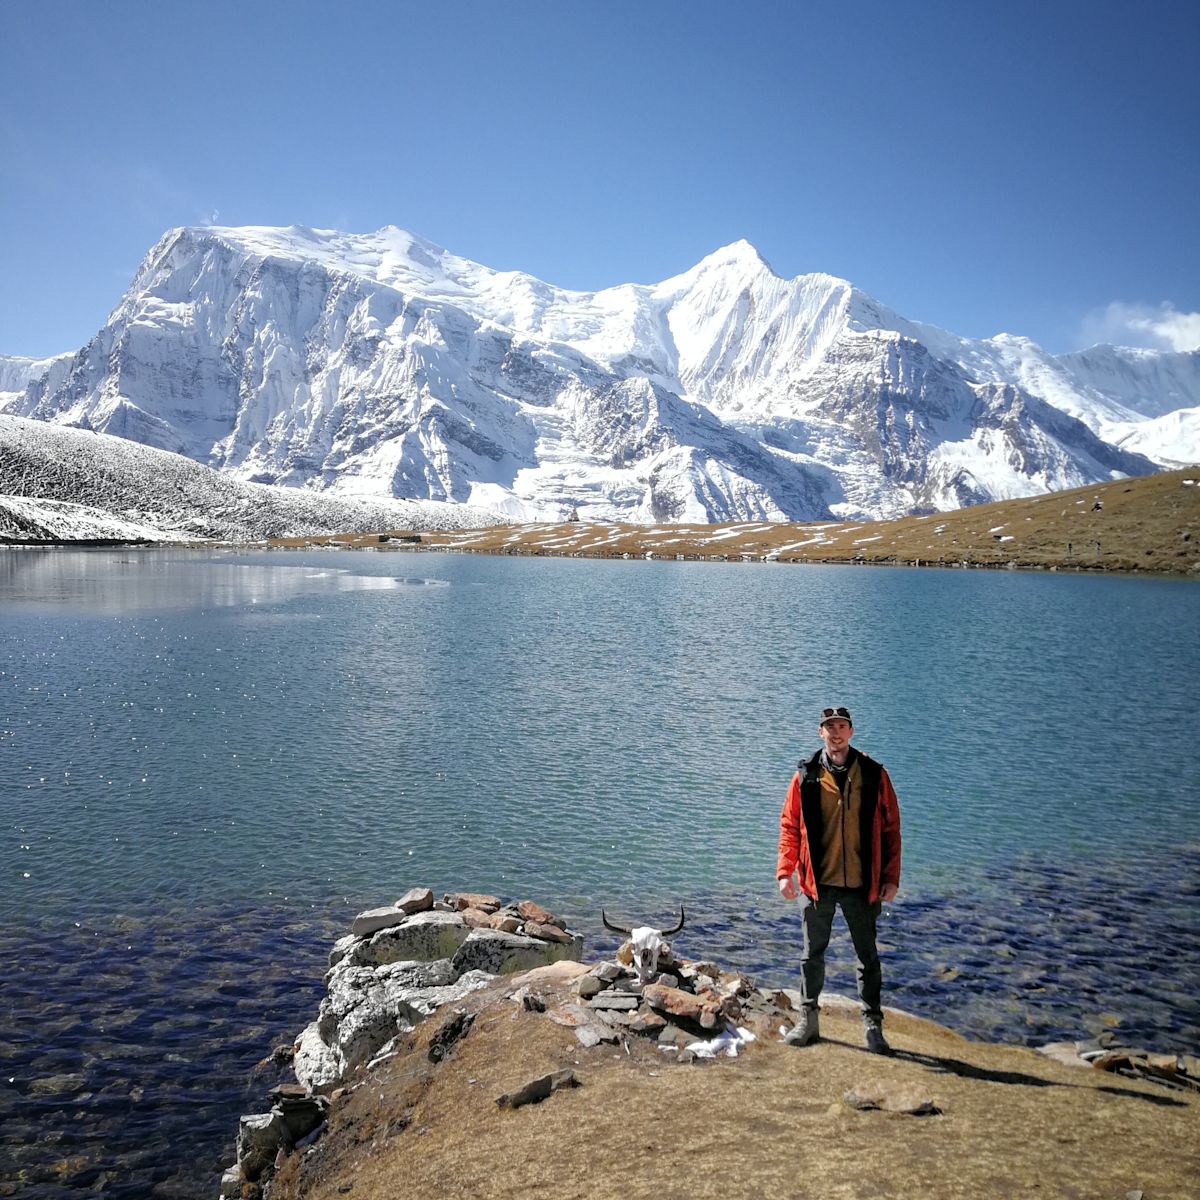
(860, 915)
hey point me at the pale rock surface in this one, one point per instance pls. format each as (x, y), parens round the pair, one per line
(561, 971)
(503, 953)
(375, 919)
(425, 935)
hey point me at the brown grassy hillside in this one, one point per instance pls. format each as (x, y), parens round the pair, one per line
(1150, 523)
(771, 1124)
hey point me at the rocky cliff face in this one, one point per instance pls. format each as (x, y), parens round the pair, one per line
(383, 365)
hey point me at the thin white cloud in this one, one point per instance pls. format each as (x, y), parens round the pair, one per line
(1161, 327)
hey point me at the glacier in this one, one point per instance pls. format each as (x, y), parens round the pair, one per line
(383, 366)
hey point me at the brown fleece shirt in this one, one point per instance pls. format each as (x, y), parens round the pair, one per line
(839, 863)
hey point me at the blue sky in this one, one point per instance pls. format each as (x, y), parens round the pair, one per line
(1032, 168)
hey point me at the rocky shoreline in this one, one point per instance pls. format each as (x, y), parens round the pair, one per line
(409, 980)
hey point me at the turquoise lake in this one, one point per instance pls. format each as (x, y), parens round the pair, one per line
(190, 727)
(212, 759)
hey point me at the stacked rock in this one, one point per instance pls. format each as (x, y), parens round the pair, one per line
(682, 1003)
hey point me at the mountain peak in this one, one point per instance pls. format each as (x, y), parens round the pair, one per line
(737, 254)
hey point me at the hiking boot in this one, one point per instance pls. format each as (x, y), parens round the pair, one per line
(873, 1037)
(806, 1030)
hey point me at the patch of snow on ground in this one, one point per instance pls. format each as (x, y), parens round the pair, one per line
(820, 539)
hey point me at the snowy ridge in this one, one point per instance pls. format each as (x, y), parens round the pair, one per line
(383, 365)
(66, 484)
(17, 373)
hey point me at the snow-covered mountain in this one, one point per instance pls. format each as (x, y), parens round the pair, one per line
(383, 365)
(63, 484)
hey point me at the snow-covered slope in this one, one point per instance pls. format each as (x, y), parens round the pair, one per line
(66, 484)
(1171, 439)
(381, 364)
(17, 373)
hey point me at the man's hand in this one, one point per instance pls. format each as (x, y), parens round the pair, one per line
(887, 893)
(787, 887)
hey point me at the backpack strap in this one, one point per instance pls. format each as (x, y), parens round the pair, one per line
(809, 769)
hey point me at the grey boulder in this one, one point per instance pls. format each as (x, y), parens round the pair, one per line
(423, 936)
(501, 953)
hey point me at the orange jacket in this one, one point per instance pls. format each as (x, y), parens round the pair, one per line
(800, 821)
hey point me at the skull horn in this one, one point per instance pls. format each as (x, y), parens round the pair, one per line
(675, 928)
(615, 928)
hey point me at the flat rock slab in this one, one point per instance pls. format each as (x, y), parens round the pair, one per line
(593, 1035)
(416, 900)
(589, 986)
(480, 900)
(538, 1089)
(563, 971)
(375, 919)
(531, 911)
(649, 1024)
(547, 932)
(570, 1015)
(614, 1000)
(1063, 1052)
(608, 972)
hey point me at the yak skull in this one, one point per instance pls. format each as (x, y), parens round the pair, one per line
(648, 944)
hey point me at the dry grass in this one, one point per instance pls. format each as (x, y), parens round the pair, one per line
(1147, 524)
(771, 1123)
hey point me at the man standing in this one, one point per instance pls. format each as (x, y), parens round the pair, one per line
(840, 828)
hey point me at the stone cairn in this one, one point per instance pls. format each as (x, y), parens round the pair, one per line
(401, 963)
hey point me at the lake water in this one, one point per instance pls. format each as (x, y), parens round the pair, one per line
(211, 760)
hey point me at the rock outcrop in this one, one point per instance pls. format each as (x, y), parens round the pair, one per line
(403, 961)
(399, 964)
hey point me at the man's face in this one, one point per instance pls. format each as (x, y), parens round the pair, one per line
(835, 733)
